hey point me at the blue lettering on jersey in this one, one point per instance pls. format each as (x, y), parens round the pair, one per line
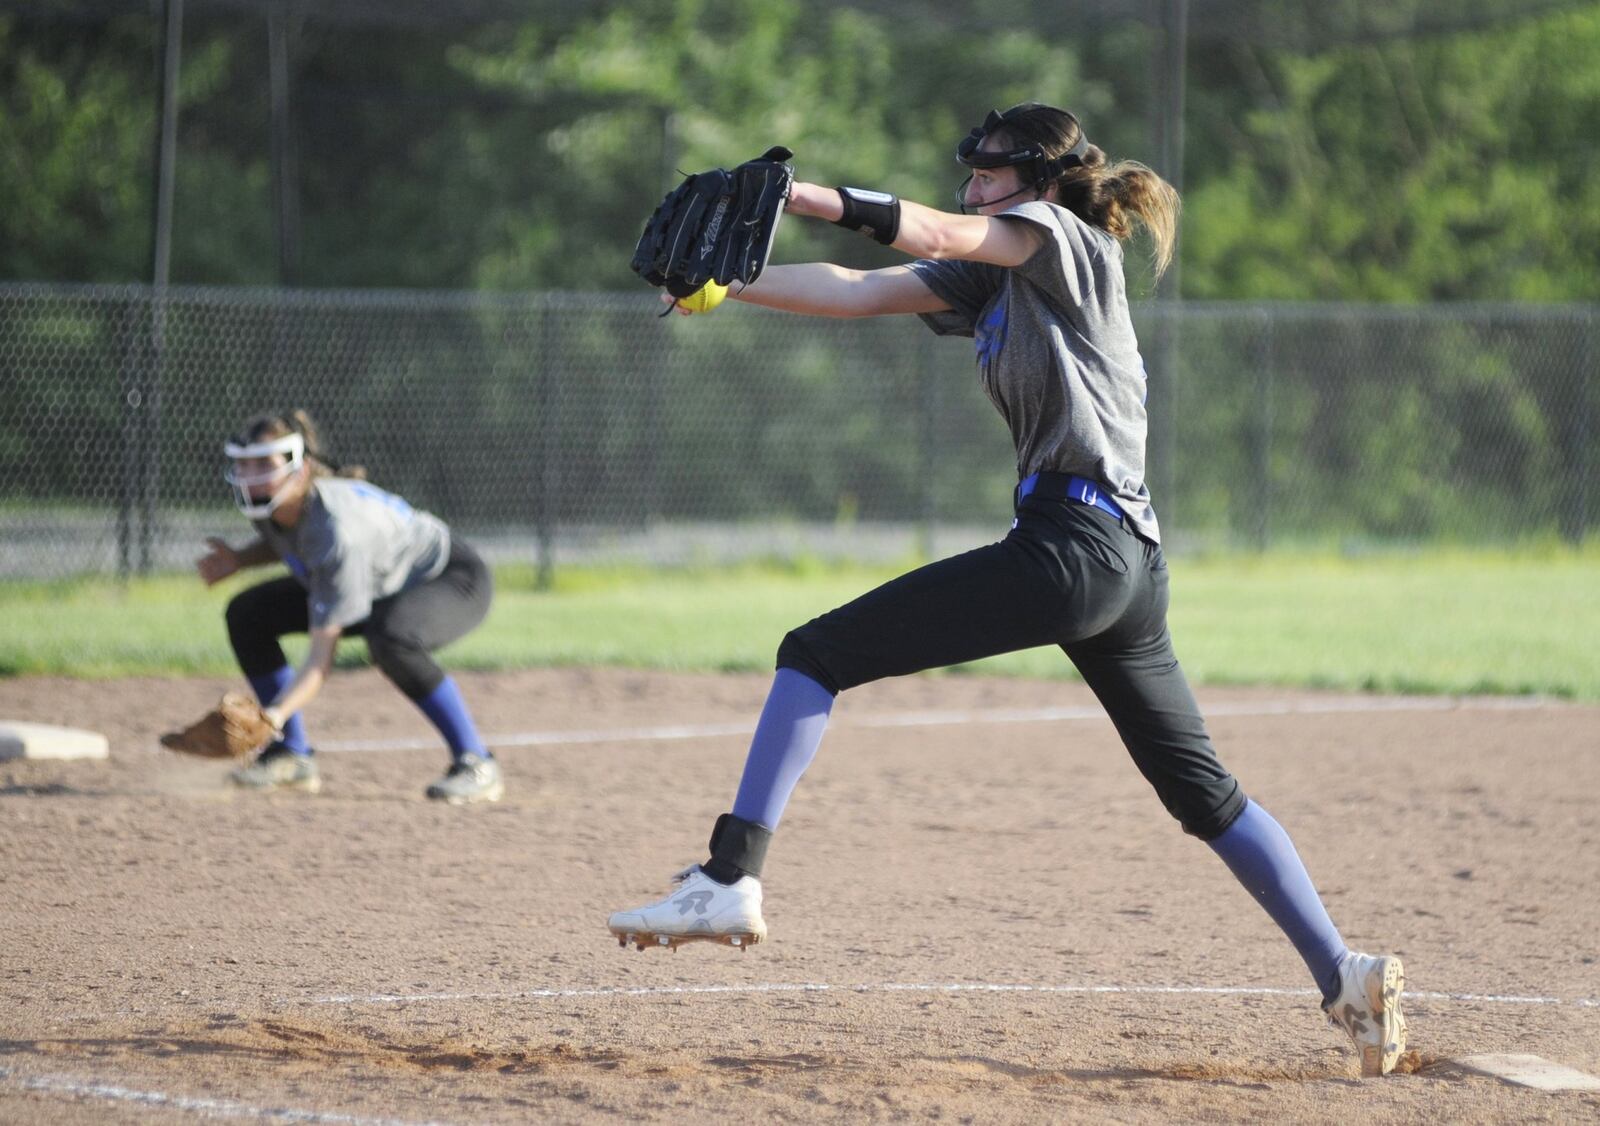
(990, 335)
(372, 492)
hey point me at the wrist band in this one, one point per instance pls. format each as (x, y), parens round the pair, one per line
(874, 214)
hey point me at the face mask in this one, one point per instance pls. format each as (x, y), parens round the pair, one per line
(1035, 168)
(293, 449)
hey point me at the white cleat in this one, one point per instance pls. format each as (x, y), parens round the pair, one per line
(1368, 1009)
(698, 910)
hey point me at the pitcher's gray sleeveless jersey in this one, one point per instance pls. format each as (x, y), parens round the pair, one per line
(354, 544)
(1057, 353)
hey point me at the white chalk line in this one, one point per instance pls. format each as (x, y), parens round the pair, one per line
(670, 732)
(212, 1108)
(903, 987)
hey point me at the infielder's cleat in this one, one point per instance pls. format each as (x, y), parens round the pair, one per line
(699, 910)
(279, 768)
(1368, 1009)
(471, 778)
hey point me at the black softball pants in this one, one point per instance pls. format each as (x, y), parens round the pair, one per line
(1069, 575)
(401, 631)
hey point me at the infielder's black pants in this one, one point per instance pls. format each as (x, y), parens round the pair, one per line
(1068, 575)
(401, 631)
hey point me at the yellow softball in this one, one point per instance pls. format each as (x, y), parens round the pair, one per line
(704, 299)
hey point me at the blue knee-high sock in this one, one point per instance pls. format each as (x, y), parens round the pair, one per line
(786, 740)
(268, 687)
(1262, 856)
(447, 711)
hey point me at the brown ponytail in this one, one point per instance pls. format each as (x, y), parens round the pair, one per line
(1112, 196)
(1102, 194)
(265, 427)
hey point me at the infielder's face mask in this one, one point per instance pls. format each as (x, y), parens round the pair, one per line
(1034, 168)
(261, 473)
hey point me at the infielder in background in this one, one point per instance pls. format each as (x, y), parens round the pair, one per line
(1035, 276)
(363, 562)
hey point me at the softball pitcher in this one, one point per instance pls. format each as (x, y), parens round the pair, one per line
(1034, 274)
(362, 562)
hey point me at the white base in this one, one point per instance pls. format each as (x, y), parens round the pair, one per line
(41, 740)
(1531, 1071)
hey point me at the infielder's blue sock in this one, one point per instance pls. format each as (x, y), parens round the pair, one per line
(1262, 856)
(786, 740)
(445, 708)
(268, 687)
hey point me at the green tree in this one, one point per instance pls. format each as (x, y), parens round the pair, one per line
(646, 89)
(1421, 169)
(77, 134)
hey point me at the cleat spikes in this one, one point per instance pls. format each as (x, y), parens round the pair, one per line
(642, 941)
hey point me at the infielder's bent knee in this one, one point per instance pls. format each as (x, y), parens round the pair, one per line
(252, 633)
(247, 614)
(406, 663)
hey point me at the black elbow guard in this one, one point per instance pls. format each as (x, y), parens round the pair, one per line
(874, 214)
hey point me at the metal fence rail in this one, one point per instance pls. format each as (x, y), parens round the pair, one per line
(580, 426)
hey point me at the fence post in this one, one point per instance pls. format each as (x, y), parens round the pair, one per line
(168, 61)
(1161, 392)
(657, 371)
(929, 457)
(131, 401)
(150, 485)
(1575, 522)
(1262, 445)
(546, 351)
(283, 38)
(1161, 469)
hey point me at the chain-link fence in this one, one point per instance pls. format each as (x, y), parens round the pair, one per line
(582, 427)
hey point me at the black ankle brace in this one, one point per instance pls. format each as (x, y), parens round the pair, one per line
(738, 848)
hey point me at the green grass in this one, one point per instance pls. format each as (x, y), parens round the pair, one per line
(1499, 622)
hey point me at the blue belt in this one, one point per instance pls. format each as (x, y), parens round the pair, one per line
(1068, 486)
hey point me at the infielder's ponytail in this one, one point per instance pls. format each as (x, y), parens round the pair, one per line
(265, 427)
(1102, 194)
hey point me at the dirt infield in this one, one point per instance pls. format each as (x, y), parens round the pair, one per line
(978, 912)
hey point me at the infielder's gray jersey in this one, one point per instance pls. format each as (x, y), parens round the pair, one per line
(1056, 353)
(354, 544)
